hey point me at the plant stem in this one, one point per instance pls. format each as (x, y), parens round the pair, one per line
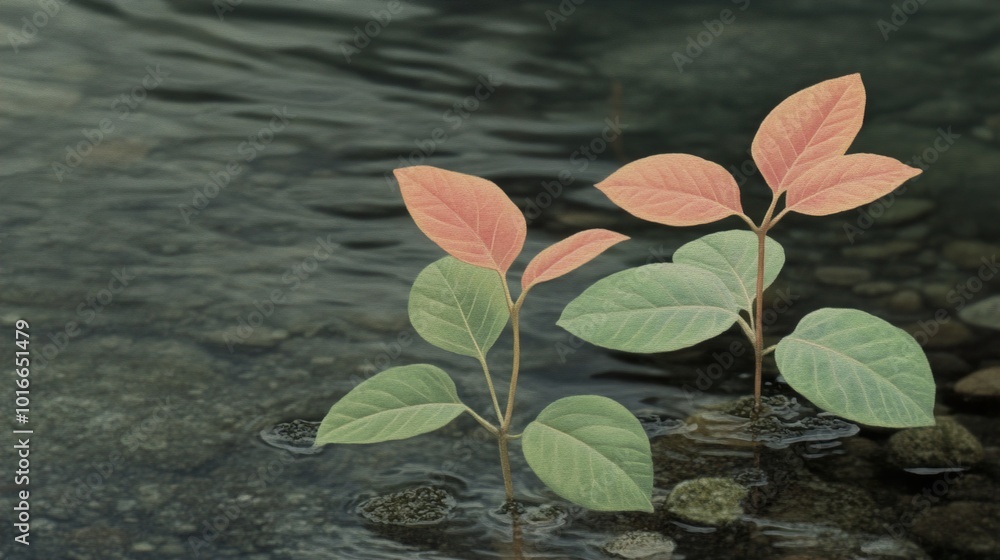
(489, 383)
(484, 422)
(515, 312)
(508, 483)
(758, 323)
(758, 341)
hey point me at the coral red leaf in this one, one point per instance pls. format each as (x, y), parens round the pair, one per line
(469, 217)
(846, 182)
(811, 126)
(568, 255)
(674, 189)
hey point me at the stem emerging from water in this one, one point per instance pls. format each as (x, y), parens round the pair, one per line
(758, 322)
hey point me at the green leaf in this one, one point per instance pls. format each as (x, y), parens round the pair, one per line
(732, 256)
(860, 367)
(593, 452)
(458, 307)
(653, 308)
(398, 403)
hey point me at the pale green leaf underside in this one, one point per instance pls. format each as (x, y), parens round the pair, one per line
(398, 403)
(860, 367)
(593, 452)
(458, 307)
(653, 308)
(732, 256)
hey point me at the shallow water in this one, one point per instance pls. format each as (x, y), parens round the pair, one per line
(232, 170)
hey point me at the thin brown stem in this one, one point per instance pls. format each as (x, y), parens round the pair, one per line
(758, 340)
(508, 482)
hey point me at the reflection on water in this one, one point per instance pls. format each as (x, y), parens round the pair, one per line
(198, 223)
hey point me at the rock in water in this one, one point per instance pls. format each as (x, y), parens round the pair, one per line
(945, 445)
(645, 545)
(420, 506)
(712, 500)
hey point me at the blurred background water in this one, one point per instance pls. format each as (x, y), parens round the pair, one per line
(199, 223)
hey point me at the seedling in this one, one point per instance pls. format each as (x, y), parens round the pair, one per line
(846, 361)
(588, 449)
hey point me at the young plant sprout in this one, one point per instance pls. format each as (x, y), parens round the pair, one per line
(846, 361)
(588, 449)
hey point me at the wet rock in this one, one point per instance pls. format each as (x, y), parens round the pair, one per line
(881, 251)
(420, 506)
(965, 527)
(984, 313)
(970, 253)
(947, 365)
(937, 294)
(814, 501)
(296, 436)
(905, 210)
(647, 545)
(946, 444)
(889, 548)
(711, 500)
(933, 334)
(874, 289)
(906, 301)
(842, 275)
(984, 383)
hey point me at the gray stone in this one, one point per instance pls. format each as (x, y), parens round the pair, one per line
(873, 289)
(842, 275)
(984, 383)
(984, 313)
(970, 253)
(646, 545)
(712, 501)
(933, 334)
(881, 251)
(905, 210)
(296, 436)
(971, 528)
(906, 301)
(946, 444)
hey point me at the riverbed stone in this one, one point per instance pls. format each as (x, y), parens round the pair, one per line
(984, 313)
(946, 444)
(984, 383)
(968, 253)
(970, 528)
(905, 210)
(874, 289)
(881, 251)
(842, 275)
(934, 334)
(709, 500)
(647, 545)
(905, 301)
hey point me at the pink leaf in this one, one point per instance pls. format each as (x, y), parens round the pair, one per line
(846, 182)
(568, 255)
(674, 189)
(811, 126)
(469, 217)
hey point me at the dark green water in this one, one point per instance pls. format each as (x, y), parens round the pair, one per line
(196, 221)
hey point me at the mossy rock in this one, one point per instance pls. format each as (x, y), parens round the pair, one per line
(945, 445)
(415, 507)
(711, 500)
